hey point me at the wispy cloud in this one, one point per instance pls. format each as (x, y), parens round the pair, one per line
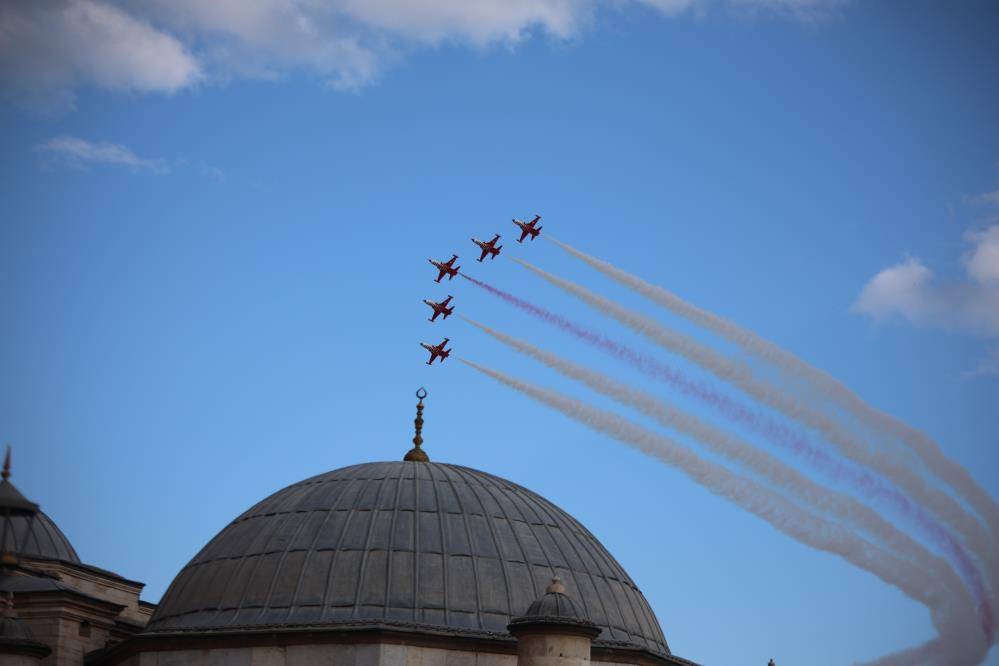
(81, 154)
(76, 153)
(986, 198)
(50, 49)
(210, 172)
(912, 292)
(988, 365)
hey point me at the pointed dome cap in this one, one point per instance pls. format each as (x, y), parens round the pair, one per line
(24, 527)
(12, 502)
(554, 609)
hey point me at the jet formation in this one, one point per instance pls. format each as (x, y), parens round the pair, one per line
(450, 269)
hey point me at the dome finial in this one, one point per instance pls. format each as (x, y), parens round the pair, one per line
(416, 454)
(556, 587)
(6, 465)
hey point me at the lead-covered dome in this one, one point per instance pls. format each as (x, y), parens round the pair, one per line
(25, 530)
(40, 537)
(415, 544)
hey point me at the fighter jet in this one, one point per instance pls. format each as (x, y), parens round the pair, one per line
(440, 308)
(488, 247)
(436, 351)
(528, 228)
(446, 268)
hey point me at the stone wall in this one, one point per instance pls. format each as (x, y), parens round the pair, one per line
(323, 655)
(374, 654)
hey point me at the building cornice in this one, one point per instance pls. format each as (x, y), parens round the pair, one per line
(354, 632)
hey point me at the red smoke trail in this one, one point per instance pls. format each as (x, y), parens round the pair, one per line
(869, 483)
(648, 365)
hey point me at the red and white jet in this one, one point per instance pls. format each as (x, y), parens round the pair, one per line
(528, 228)
(488, 247)
(446, 268)
(440, 308)
(436, 351)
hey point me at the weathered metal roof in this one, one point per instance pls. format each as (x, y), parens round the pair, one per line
(38, 536)
(13, 502)
(426, 544)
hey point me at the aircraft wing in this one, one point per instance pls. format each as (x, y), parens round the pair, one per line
(523, 235)
(484, 253)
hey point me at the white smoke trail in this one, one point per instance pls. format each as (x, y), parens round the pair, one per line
(928, 450)
(959, 643)
(940, 503)
(782, 476)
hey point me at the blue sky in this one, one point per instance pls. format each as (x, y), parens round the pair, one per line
(212, 261)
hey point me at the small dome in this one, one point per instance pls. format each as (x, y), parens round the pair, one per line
(25, 529)
(43, 540)
(555, 603)
(427, 546)
(555, 608)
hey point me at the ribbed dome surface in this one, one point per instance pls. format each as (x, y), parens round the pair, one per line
(44, 539)
(422, 544)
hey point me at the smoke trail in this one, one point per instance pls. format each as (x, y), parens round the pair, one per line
(928, 450)
(866, 482)
(653, 367)
(960, 644)
(940, 503)
(773, 470)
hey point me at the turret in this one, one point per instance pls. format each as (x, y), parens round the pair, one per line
(18, 646)
(553, 631)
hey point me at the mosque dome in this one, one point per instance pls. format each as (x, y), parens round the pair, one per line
(416, 545)
(25, 530)
(43, 539)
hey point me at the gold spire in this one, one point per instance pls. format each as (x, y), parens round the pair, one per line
(416, 454)
(6, 465)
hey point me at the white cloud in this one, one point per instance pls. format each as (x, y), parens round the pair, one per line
(798, 9)
(982, 263)
(479, 23)
(911, 291)
(80, 154)
(50, 48)
(988, 198)
(900, 289)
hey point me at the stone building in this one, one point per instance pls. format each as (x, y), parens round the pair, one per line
(56, 609)
(408, 563)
